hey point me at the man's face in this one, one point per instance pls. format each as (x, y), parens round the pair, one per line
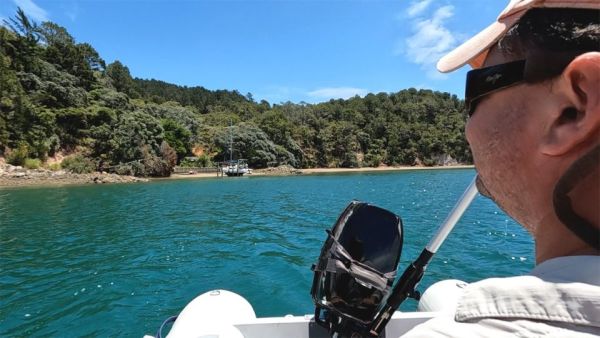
(502, 134)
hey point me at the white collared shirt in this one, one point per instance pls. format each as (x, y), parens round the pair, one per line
(559, 298)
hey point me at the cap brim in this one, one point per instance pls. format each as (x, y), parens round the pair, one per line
(477, 46)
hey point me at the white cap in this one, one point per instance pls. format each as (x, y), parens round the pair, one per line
(475, 50)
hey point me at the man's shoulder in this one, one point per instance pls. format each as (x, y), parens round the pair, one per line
(531, 298)
(445, 326)
(580, 269)
(560, 297)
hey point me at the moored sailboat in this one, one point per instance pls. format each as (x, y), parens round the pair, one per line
(233, 167)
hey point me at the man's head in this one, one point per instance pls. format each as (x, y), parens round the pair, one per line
(534, 101)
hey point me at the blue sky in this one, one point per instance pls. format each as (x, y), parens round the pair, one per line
(296, 50)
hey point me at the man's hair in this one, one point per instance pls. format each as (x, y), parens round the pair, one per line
(549, 38)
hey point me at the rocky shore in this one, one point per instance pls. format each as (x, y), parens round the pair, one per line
(15, 176)
(281, 170)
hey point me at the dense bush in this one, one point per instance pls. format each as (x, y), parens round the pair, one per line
(168, 154)
(250, 142)
(78, 164)
(54, 166)
(19, 155)
(32, 163)
(177, 136)
(135, 168)
(156, 166)
(149, 165)
(202, 161)
(126, 169)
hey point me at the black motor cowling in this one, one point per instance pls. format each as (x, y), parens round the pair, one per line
(356, 268)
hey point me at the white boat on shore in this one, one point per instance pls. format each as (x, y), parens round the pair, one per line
(233, 167)
(236, 168)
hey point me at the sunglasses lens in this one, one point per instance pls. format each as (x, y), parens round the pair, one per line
(483, 81)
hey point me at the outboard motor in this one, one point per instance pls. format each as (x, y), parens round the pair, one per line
(353, 278)
(356, 269)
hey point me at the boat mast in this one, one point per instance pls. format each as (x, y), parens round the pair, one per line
(230, 142)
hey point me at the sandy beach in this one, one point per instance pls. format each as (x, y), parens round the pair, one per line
(267, 172)
(187, 176)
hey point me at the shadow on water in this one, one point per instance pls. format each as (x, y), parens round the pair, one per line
(117, 260)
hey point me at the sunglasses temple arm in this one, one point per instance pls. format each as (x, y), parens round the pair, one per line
(406, 285)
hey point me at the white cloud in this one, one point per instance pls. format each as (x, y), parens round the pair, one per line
(72, 10)
(417, 7)
(337, 92)
(430, 41)
(72, 15)
(277, 93)
(32, 10)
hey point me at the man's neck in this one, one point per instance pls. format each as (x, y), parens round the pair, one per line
(553, 239)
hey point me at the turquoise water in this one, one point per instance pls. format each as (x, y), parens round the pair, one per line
(116, 260)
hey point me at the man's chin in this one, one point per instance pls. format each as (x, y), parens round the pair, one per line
(514, 212)
(483, 190)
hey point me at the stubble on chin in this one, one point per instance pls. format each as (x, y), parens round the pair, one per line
(483, 190)
(498, 156)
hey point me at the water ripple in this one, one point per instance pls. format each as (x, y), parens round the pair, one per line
(117, 260)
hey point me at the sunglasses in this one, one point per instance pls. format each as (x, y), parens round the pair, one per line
(485, 81)
(541, 66)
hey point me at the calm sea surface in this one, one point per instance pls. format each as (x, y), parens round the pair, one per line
(116, 260)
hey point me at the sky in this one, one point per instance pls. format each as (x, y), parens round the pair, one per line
(278, 50)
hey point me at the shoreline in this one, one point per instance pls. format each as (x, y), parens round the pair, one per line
(20, 178)
(382, 169)
(313, 171)
(44, 178)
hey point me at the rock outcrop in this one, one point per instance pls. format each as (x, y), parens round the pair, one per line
(18, 176)
(281, 170)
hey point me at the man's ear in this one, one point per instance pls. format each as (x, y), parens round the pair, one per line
(577, 122)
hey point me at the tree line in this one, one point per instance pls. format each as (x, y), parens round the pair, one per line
(58, 96)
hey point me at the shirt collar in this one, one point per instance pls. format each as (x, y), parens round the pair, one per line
(564, 290)
(582, 269)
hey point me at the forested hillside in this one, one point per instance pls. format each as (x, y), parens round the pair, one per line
(58, 96)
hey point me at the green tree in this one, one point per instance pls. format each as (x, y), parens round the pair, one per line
(168, 154)
(60, 49)
(121, 79)
(177, 137)
(24, 48)
(91, 57)
(253, 144)
(341, 144)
